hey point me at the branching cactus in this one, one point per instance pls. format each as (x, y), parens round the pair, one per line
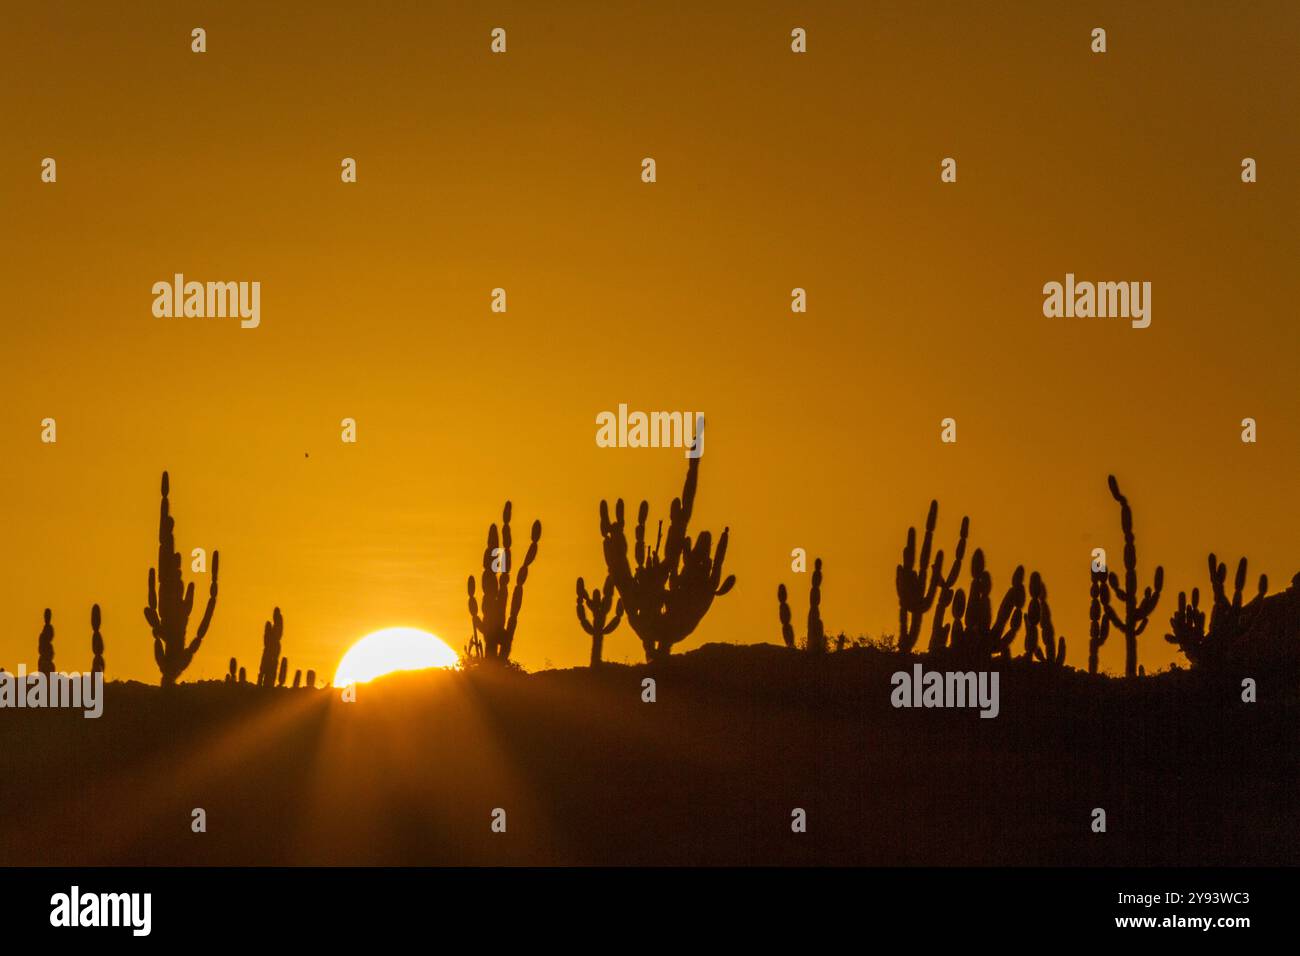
(96, 642)
(815, 643)
(1038, 621)
(598, 604)
(917, 581)
(1137, 612)
(1230, 620)
(1098, 623)
(171, 601)
(976, 633)
(672, 589)
(498, 629)
(272, 635)
(45, 647)
(1188, 627)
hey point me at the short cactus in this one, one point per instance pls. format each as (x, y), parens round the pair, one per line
(599, 625)
(233, 674)
(45, 647)
(1038, 620)
(297, 679)
(96, 642)
(976, 633)
(272, 634)
(815, 642)
(284, 672)
(311, 679)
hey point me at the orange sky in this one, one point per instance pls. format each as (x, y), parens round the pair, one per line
(522, 171)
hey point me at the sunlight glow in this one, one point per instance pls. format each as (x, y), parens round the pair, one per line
(392, 649)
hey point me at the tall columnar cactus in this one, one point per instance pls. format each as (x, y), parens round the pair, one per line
(976, 633)
(272, 634)
(284, 672)
(171, 601)
(917, 581)
(598, 603)
(498, 630)
(671, 590)
(1098, 623)
(45, 647)
(96, 642)
(815, 643)
(1230, 620)
(1136, 612)
(1038, 620)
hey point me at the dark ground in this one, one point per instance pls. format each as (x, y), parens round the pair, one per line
(709, 774)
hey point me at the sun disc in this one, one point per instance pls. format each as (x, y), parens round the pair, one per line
(390, 650)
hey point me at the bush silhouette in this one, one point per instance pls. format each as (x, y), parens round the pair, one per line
(669, 593)
(171, 601)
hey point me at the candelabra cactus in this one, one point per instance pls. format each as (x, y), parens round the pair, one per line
(671, 590)
(1230, 620)
(598, 603)
(976, 634)
(917, 581)
(498, 630)
(1098, 623)
(96, 642)
(272, 634)
(170, 602)
(1038, 620)
(45, 647)
(815, 643)
(1136, 612)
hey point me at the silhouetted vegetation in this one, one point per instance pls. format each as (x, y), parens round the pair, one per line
(272, 634)
(1038, 622)
(311, 679)
(1098, 622)
(599, 625)
(498, 631)
(815, 642)
(1136, 613)
(45, 647)
(915, 595)
(976, 635)
(171, 601)
(96, 642)
(233, 674)
(669, 593)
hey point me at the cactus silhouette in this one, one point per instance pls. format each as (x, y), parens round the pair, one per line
(815, 642)
(170, 601)
(1098, 623)
(1230, 620)
(917, 581)
(1038, 621)
(284, 672)
(498, 630)
(672, 589)
(233, 673)
(311, 679)
(243, 676)
(297, 678)
(598, 603)
(1136, 612)
(45, 647)
(272, 634)
(96, 642)
(975, 633)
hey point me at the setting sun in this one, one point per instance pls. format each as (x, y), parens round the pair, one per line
(390, 650)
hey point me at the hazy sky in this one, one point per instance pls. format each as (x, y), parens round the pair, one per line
(522, 171)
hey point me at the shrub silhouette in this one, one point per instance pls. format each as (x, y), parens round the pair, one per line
(669, 593)
(598, 603)
(498, 631)
(1098, 623)
(272, 633)
(815, 642)
(1136, 613)
(915, 595)
(1038, 619)
(45, 647)
(96, 642)
(975, 633)
(170, 602)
